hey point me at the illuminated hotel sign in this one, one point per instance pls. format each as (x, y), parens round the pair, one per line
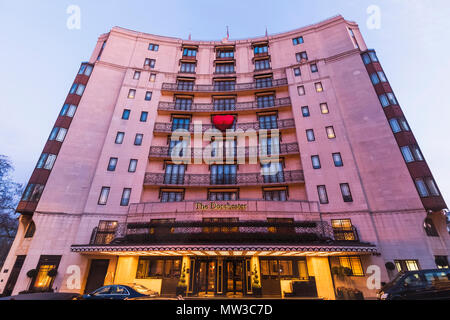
(199, 206)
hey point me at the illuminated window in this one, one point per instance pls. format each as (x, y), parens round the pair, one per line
(167, 268)
(106, 231)
(131, 94)
(343, 230)
(407, 265)
(318, 86)
(152, 77)
(43, 282)
(222, 226)
(324, 108)
(354, 264)
(137, 75)
(330, 133)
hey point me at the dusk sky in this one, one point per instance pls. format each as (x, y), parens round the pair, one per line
(40, 56)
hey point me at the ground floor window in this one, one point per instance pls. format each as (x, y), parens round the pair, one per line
(353, 263)
(407, 265)
(45, 273)
(150, 267)
(284, 268)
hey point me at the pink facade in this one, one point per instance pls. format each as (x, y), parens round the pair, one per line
(378, 195)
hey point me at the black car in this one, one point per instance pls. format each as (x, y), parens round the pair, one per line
(119, 292)
(418, 285)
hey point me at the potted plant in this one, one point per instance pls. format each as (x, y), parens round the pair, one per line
(32, 273)
(52, 273)
(256, 284)
(342, 293)
(182, 283)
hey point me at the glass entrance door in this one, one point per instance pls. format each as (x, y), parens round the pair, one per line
(234, 277)
(206, 277)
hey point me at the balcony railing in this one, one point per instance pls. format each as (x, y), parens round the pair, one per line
(205, 180)
(211, 107)
(346, 234)
(284, 149)
(222, 88)
(168, 127)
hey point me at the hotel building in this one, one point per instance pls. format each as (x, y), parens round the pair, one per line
(109, 204)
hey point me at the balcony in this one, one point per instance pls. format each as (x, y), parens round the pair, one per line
(346, 234)
(211, 107)
(168, 127)
(207, 180)
(214, 88)
(157, 152)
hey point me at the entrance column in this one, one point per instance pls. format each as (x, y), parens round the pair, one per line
(320, 269)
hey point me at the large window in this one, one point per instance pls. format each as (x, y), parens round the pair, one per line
(33, 192)
(223, 174)
(106, 232)
(174, 173)
(261, 49)
(223, 195)
(223, 53)
(168, 195)
(407, 265)
(265, 101)
(181, 123)
(269, 121)
(46, 161)
(224, 104)
(226, 85)
(275, 194)
(149, 267)
(187, 67)
(343, 230)
(427, 187)
(225, 68)
(284, 268)
(263, 64)
(183, 103)
(272, 172)
(354, 264)
(264, 82)
(185, 85)
(189, 52)
(42, 282)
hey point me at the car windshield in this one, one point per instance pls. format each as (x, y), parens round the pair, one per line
(394, 281)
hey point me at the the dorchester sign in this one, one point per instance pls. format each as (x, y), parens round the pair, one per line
(200, 206)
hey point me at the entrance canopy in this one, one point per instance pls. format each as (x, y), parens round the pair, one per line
(227, 250)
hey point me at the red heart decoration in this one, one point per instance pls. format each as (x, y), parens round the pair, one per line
(223, 122)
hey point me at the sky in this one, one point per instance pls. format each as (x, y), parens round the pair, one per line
(40, 55)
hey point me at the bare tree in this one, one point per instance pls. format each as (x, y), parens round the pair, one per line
(10, 193)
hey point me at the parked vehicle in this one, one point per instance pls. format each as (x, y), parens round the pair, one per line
(119, 292)
(418, 285)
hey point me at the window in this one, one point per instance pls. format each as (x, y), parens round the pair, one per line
(153, 47)
(283, 229)
(133, 165)
(382, 76)
(148, 96)
(346, 193)
(324, 108)
(224, 104)
(427, 187)
(183, 104)
(275, 194)
(220, 229)
(337, 159)
(297, 41)
(187, 67)
(283, 268)
(112, 164)
(225, 68)
(43, 282)
(181, 123)
(262, 64)
(407, 265)
(442, 263)
(369, 57)
(323, 196)
(119, 137)
(137, 75)
(411, 153)
(318, 86)
(125, 197)
(167, 268)
(144, 116)
(101, 50)
(126, 114)
(384, 100)
(301, 56)
(269, 146)
(188, 52)
(185, 85)
(429, 227)
(58, 134)
(223, 174)
(301, 90)
(354, 264)
(272, 172)
(305, 111)
(310, 135)
(388, 99)
(228, 85)
(223, 195)
(106, 232)
(138, 139)
(264, 82)
(392, 98)
(46, 161)
(150, 63)
(261, 49)
(314, 68)
(33, 193)
(297, 72)
(374, 78)
(131, 94)
(31, 229)
(77, 89)
(86, 69)
(316, 162)
(68, 110)
(172, 195)
(343, 230)
(104, 193)
(152, 77)
(268, 121)
(225, 54)
(330, 132)
(174, 173)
